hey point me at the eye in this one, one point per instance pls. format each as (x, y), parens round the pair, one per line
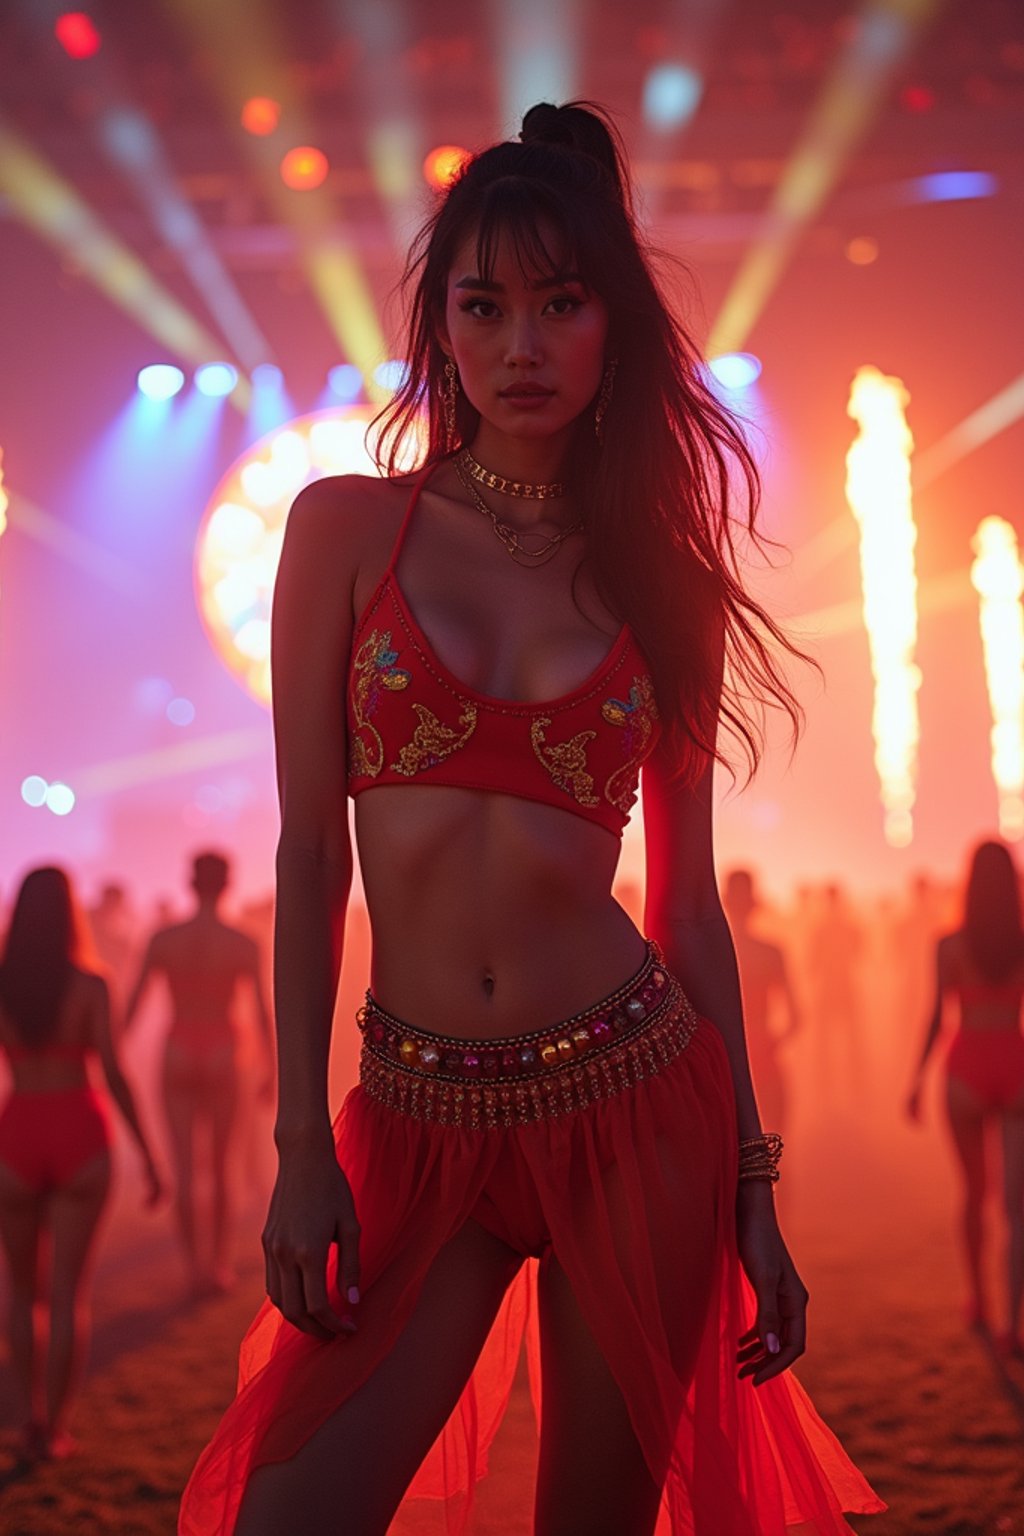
(567, 304)
(477, 306)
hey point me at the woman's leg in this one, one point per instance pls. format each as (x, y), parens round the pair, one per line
(965, 1113)
(75, 1213)
(351, 1475)
(21, 1223)
(222, 1106)
(592, 1479)
(1013, 1195)
(180, 1112)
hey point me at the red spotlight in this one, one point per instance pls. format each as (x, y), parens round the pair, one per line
(443, 164)
(917, 98)
(77, 35)
(304, 168)
(260, 115)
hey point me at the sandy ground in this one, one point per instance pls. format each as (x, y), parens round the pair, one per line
(927, 1409)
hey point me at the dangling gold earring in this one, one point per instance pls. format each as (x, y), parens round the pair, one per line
(449, 396)
(604, 398)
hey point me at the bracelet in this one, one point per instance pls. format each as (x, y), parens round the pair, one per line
(759, 1157)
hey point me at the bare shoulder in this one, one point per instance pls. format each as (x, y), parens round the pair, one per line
(343, 512)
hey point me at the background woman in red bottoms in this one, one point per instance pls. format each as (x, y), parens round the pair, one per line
(554, 1128)
(982, 966)
(55, 1138)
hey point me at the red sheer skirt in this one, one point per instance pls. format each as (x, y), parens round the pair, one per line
(620, 1158)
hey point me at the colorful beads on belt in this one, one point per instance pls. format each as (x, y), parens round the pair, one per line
(513, 1081)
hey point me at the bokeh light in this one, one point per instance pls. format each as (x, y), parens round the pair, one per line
(33, 790)
(345, 381)
(181, 711)
(216, 379)
(267, 376)
(304, 168)
(736, 370)
(239, 542)
(160, 381)
(392, 374)
(862, 250)
(443, 164)
(671, 95)
(60, 799)
(76, 32)
(261, 115)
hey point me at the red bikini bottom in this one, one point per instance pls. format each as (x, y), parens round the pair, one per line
(991, 1063)
(613, 1149)
(46, 1138)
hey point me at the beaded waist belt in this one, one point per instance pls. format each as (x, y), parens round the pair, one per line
(490, 1083)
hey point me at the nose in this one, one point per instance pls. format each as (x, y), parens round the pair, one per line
(524, 348)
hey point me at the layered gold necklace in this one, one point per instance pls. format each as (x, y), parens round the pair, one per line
(469, 472)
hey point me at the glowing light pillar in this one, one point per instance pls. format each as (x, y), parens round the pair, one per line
(878, 492)
(998, 578)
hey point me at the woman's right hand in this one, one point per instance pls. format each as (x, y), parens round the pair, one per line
(311, 1208)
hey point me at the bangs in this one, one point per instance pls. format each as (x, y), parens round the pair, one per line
(535, 223)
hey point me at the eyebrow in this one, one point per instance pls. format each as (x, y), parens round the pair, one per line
(558, 280)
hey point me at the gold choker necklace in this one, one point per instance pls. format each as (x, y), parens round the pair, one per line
(495, 482)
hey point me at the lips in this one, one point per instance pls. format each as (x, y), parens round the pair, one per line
(525, 392)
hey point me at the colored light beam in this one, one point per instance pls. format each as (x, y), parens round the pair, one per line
(131, 143)
(998, 578)
(1002, 411)
(878, 492)
(241, 36)
(844, 111)
(168, 762)
(537, 49)
(73, 546)
(50, 207)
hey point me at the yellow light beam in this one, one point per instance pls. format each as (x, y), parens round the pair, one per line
(184, 757)
(978, 428)
(50, 207)
(998, 578)
(940, 595)
(842, 114)
(242, 37)
(878, 492)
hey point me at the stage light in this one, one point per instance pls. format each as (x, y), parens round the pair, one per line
(304, 168)
(216, 379)
(672, 94)
(862, 250)
(879, 495)
(736, 370)
(160, 381)
(998, 578)
(917, 98)
(267, 376)
(181, 711)
(261, 115)
(239, 542)
(951, 187)
(345, 381)
(76, 32)
(60, 799)
(443, 164)
(151, 695)
(392, 374)
(33, 790)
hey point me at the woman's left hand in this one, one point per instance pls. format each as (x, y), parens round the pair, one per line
(780, 1334)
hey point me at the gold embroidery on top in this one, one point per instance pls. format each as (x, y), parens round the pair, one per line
(374, 665)
(433, 741)
(637, 718)
(566, 761)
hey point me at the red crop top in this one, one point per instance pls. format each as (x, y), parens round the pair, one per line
(410, 720)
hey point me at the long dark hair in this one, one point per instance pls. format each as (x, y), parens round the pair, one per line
(662, 531)
(45, 942)
(992, 925)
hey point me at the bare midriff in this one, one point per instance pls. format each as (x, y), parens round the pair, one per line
(491, 915)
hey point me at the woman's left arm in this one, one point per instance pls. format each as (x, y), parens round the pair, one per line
(684, 914)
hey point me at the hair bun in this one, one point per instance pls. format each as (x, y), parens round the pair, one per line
(577, 125)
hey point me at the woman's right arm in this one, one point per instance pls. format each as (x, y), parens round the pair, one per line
(312, 1204)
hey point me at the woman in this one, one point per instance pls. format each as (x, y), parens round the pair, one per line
(534, 1083)
(55, 1139)
(982, 966)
